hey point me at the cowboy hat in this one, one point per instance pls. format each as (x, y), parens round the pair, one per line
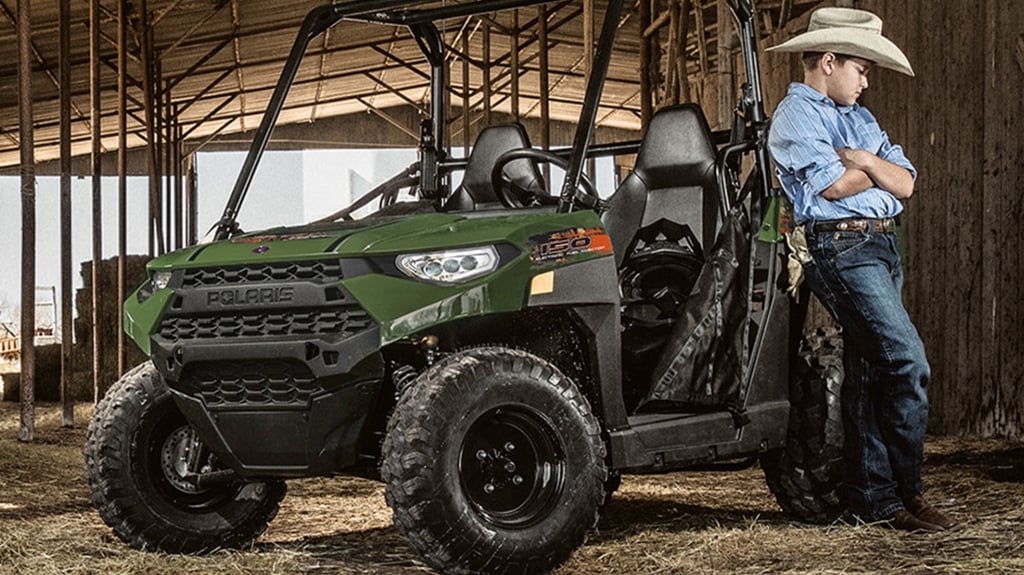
(849, 32)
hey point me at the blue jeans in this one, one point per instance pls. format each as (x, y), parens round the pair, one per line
(858, 277)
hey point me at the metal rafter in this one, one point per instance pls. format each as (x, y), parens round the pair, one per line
(388, 56)
(321, 72)
(163, 52)
(208, 42)
(387, 118)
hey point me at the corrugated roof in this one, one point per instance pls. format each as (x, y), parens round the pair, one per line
(220, 60)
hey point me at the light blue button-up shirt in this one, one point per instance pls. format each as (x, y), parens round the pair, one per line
(805, 132)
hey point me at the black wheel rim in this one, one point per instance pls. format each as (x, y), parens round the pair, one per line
(164, 444)
(512, 467)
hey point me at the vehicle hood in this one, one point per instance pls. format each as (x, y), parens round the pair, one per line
(368, 237)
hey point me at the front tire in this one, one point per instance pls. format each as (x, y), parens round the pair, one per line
(493, 462)
(806, 474)
(135, 451)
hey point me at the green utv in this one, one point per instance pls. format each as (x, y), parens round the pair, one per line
(496, 355)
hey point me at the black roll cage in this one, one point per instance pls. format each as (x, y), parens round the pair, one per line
(752, 122)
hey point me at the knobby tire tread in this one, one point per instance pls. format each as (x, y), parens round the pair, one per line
(122, 503)
(410, 447)
(805, 475)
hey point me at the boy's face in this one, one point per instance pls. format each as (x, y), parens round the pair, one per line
(847, 80)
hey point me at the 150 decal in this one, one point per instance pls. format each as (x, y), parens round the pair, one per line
(563, 244)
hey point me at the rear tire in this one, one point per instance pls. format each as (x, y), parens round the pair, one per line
(134, 450)
(494, 463)
(806, 474)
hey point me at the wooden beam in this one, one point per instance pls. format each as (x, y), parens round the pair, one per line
(152, 100)
(235, 25)
(514, 63)
(95, 139)
(486, 57)
(465, 96)
(122, 176)
(785, 12)
(1020, 52)
(683, 20)
(672, 64)
(726, 72)
(662, 19)
(646, 104)
(27, 426)
(702, 37)
(545, 86)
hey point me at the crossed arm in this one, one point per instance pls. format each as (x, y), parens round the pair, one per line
(865, 170)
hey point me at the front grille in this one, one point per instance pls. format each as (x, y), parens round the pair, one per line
(221, 311)
(261, 383)
(337, 322)
(316, 271)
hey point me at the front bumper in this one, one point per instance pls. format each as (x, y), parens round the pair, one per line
(275, 365)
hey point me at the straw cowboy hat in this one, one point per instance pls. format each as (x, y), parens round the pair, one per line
(850, 32)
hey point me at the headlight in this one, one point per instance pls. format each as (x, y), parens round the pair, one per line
(161, 279)
(158, 280)
(449, 266)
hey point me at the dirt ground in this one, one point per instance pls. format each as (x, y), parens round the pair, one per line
(686, 522)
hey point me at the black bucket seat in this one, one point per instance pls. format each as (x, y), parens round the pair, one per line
(673, 183)
(476, 189)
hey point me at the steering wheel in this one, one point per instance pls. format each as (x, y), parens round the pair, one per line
(513, 196)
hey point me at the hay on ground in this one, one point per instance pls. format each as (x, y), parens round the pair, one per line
(697, 522)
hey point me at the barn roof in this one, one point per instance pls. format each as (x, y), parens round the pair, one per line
(216, 63)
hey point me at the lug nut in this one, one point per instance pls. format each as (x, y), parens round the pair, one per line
(517, 479)
(489, 488)
(481, 455)
(509, 446)
(510, 466)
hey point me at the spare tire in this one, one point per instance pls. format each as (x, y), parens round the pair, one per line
(805, 475)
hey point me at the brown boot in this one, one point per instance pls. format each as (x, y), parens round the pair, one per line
(905, 521)
(925, 512)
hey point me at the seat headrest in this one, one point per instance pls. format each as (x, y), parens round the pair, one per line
(677, 147)
(492, 142)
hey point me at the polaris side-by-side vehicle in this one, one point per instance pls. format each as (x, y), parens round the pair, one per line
(497, 356)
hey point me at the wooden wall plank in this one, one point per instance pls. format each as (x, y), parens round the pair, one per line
(1003, 184)
(961, 121)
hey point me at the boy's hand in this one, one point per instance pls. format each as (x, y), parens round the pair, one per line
(892, 178)
(852, 158)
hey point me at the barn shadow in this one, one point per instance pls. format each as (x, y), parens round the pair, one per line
(385, 551)
(1001, 465)
(632, 515)
(50, 510)
(376, 551)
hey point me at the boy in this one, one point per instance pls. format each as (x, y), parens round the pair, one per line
(846, 179)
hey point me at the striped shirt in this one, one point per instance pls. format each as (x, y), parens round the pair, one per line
(805, 132)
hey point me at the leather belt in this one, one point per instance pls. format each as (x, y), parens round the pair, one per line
(855, 225)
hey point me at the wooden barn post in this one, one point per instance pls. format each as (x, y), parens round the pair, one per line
(27, 426)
